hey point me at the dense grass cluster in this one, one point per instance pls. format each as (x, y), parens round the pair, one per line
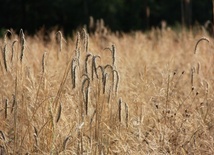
(108, 93)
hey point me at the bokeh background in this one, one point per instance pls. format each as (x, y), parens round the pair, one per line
(122, 15)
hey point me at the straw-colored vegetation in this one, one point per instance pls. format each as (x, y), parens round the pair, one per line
(107, 93)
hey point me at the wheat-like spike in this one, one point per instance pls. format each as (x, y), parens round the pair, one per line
(102, 71)
(127, 114)
(86, 100)
(35, 135)
(94, 68)
(113, 54)
(120, 110)
(201, 39)
(86, 62)
(87, 43)
(35, 131)
(86, 94)
(73, 71)
(50, 110)
(87, 79)
(207, 87)
(12, 55)
(74, 76)
(65, 142)
(5, 57)
(59, 39)
(43, 62)
(92, 117)
(85, 40)
(78, 41)
(77, 54)
(2, 135)
(192, 77)
(198, 67)
(117, 80)
(104, 82)
(109, 96)
(5, 36)
(14, 102)
(5, 108)
(59, 113)
(108, 66)
(22, 41)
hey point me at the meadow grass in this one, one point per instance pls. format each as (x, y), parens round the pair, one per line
(107, 93)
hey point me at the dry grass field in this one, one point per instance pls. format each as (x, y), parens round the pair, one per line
(107, 93)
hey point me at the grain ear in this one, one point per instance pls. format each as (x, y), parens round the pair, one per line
(59, 111)
(201, 39)
(59, 39)
(22, 42)
(5, 57)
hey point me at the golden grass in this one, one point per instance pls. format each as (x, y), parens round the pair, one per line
(146, 94)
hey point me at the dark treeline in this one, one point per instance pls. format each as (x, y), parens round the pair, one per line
(124, 15)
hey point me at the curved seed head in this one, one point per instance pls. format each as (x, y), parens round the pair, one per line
(201, 39)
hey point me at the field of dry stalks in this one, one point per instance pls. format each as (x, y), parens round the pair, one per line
(107, 93)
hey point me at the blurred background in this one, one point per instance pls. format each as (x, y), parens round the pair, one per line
(122, 15)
